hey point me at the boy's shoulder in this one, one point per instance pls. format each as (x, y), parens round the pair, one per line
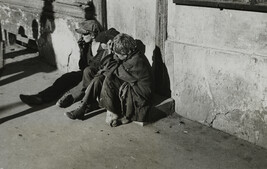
(138, 59)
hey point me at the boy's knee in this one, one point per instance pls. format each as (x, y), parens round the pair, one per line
(87, 70)
(89, 73)
(98, 79)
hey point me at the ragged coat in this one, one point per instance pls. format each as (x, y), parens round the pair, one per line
(128, 87)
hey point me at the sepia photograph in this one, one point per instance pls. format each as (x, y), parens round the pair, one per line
(133, 84)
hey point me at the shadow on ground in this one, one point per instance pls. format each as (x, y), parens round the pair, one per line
(23, 113)
(20, 64)
(19, 69)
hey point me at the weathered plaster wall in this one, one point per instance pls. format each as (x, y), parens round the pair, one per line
(56, 38)
(12, 19)
(217, 61)
(135, 19)
(64, 40)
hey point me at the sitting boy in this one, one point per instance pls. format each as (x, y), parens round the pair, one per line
(123, 86)
(89, 30)
(99, 45)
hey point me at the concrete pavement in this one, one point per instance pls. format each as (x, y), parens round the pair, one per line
(43, 138)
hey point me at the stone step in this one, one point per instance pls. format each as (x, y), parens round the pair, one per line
(162, 107)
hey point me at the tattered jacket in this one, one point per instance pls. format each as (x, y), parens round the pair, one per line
(136, 90)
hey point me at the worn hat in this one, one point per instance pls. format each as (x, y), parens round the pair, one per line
(89, 26)
(105, 36)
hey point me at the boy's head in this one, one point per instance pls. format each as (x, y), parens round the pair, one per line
(89, 29)
(105, 36)
(123, 45)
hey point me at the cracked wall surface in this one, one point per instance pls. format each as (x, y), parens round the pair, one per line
(217, 61)
(54, 35)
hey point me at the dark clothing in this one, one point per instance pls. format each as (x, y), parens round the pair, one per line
(109, 97)
(70, 79)
(126, 87)
(94, 63)
(86, 54)
(93, 91)
(88, 73)
(84, 50)
(130, 88)
(60, 86)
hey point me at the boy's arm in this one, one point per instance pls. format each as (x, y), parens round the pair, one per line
(124, 72)
(134, 69)
(82, 62)
(108, 64)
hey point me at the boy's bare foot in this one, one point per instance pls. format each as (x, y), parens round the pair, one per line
(113, 120)
(110, 117)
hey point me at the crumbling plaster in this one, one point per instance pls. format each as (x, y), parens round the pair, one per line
(57, 40)
(217, 61)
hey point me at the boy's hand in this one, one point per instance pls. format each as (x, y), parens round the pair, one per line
(110, 46)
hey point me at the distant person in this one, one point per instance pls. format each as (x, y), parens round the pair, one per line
(123, 86)
(89, 29)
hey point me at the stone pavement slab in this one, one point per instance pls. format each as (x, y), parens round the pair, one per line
(44, 138)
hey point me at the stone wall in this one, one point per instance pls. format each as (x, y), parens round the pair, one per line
(51, 24)
(58, 39)
(217, 61)
(135, 19)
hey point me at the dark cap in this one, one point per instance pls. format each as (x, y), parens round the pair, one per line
(89, 26)
(107, 35)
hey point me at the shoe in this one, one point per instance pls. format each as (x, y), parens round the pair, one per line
(65, 101)
(31, 99)
(76, 114)
(81, 111)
